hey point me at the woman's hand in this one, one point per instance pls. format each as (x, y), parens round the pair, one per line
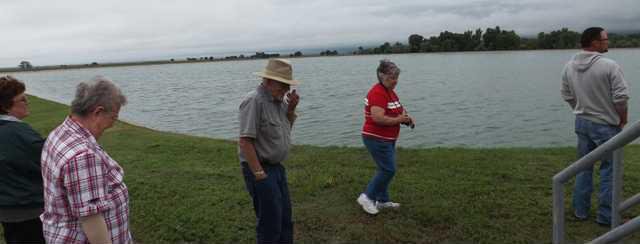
(407, 120)
(404, 118)
(412, 122)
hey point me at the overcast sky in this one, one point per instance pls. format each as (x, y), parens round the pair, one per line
(80, 31)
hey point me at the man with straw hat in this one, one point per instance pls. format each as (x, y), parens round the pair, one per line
(266, 119)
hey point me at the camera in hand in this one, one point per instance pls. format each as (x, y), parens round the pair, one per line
(410, 124)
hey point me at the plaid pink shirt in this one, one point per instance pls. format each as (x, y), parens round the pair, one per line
(80, 179)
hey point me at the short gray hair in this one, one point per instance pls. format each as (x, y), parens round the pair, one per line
(100, 91)
(386, 69)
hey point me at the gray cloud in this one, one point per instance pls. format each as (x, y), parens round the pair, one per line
(49, 32)
(475, 9)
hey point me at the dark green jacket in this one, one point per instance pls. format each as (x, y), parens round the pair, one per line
(20, 175)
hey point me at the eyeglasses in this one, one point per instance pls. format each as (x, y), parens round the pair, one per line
(113, 115)
(23, 99)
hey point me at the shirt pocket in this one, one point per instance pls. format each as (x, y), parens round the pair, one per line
(115, 174)
(270, 129)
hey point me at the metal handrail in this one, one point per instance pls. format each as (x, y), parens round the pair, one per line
(619, 232)
(632, 201)
(614, 145)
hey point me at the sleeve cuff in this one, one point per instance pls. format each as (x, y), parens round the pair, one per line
(620, 99)
(92, 208)
(250, 135)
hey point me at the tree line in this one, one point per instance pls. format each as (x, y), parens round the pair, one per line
(494, 39)
(488, 40)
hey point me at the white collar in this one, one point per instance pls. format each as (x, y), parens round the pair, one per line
(9, 118)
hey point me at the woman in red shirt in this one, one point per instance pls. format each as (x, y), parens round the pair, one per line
(383, 114)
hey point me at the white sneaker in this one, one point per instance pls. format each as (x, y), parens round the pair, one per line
(367, 204)
(381, 205)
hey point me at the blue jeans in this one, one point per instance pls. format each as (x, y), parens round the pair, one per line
(384, 154)
(590, 136)
(271, 203)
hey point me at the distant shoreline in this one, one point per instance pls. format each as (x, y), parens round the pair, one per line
(492, 39)
(184, 61)
(121, 64)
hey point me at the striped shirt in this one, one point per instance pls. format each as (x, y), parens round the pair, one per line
(380, 96)
(81, 179)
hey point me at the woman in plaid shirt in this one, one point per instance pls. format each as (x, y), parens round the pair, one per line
(86, 200)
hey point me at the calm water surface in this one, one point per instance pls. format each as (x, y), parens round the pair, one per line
(474, 99)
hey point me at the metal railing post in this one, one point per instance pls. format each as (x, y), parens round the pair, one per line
(558, 211)
(616, 191)
(616, 194)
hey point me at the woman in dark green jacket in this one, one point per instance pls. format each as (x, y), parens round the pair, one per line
(21, 196)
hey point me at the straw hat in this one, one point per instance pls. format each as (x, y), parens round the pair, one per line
(279, 70)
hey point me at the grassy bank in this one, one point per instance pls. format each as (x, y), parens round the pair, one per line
(188, 189)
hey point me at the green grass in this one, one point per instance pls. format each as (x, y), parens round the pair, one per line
(187, 189)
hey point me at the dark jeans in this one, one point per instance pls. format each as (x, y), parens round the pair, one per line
(590, 136)
(271, 203)
(29, 231)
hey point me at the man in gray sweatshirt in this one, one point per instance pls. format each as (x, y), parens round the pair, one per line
(595, 89)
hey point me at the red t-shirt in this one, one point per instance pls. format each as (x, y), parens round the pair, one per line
(382, 97)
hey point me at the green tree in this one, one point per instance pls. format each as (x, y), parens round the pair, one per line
(399, 48)
(25, 65)
(496, 39)
(507, 40)
(489, 38)
(385, 48)
(415, 41)
(563, 38)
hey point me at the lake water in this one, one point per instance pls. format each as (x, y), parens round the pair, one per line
(471, 99)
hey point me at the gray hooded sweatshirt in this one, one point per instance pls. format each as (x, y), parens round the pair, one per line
(595, 83)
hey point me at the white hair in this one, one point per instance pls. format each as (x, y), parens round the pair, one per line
(100, 91)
